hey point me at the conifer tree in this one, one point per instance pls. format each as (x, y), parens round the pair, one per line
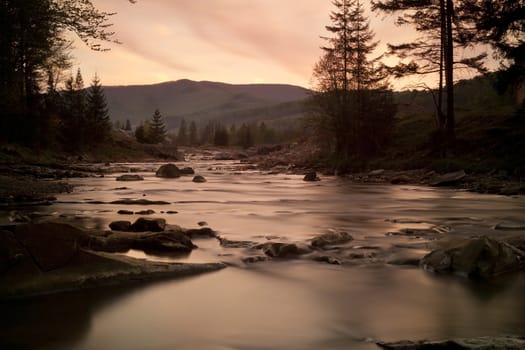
(350, 85)
(442, 33)
(157, 130)
(182, 136)
(193, 134)
(98, 124)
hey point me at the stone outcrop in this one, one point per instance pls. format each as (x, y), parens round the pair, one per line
(120, 225)
(170, 171)
(475, 258)
(54, 257)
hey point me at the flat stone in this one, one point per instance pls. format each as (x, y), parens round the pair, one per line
(148, 224)
(129, 177)
(449, 178)
(331, 238)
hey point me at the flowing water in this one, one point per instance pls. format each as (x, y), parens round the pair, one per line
(283, 304)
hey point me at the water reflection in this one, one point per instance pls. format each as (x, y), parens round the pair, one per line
(285, 305)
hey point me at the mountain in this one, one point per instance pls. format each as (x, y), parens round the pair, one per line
(204, 101)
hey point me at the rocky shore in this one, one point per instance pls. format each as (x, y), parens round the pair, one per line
(52, 257)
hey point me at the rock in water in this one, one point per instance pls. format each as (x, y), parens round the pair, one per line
(331, 238)
(174, 242)
(148, 224)
(199, 179)
(482, 343)
(187, 171)
(475, 258)
(283, 250)
(120, 225)
(51, 245)
(311, 176)
(449, 178)
(130, 178)
(170, 171)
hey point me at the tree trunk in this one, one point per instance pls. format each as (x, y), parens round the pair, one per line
(449, 76)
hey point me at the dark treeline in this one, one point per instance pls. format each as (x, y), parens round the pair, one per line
(41, 104)
(215, 133)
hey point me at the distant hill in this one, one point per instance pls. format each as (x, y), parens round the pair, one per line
(204, 101)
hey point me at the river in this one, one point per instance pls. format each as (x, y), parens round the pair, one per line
(279, 304)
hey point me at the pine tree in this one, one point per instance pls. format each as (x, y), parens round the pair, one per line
(98, 124)
(193, 134)
(72, 115)
(157, 130)
(127, 127)
(182, 136)
(348, 80)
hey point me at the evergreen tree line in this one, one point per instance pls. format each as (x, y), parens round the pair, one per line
(246, 135)
(352, 110)
(36, 53)
(81, 114)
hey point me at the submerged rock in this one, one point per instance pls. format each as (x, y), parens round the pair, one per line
(331, 238)
(148, 224)
(129, 177)
(139, 202)
(187, 171)
(199, 179)
(120, 225)
(475, 258)
(125, 212)
(449, 178)
(145, 212)
(311, 177)
(170, 171)
(482, 343)
(204, 232)
(283, 250)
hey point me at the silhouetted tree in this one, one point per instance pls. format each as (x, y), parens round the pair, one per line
(434, 52)
(98, 125)
(193, 138)
(351, 99)
(221, 137)
(182, 135)
(128, 125)
(157, 130)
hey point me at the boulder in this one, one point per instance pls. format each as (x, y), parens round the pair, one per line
(170, 171)
(199, 179)
(400, 179)
(145, 212)
(164, 242)
(187, 171)
(311, 176)
(125, 212)
(331, 238)
(51, 245)
(120, 225)
(129, 177)
(148, 225)
(204, 232)
(475, 258)
(376, 172)
(448, 179)
(283, 250)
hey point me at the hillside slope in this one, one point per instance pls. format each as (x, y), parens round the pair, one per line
(203, 101)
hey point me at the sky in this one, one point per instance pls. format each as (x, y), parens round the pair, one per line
(232, 41)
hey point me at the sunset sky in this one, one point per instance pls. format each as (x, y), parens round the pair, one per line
(233, 41)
